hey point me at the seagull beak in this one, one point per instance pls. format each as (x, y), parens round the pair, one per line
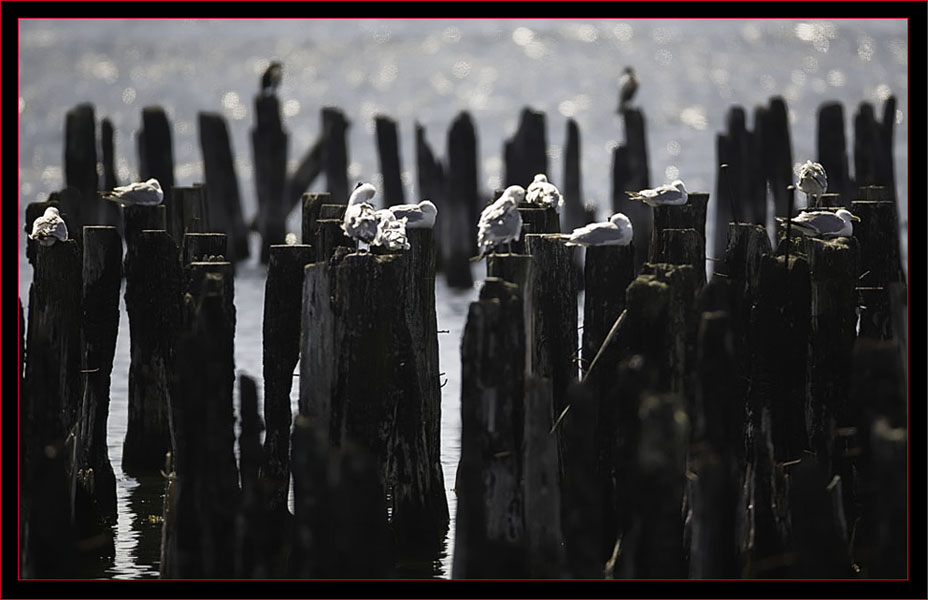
(855, 218)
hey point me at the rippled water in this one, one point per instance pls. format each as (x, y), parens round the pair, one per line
(426, 71)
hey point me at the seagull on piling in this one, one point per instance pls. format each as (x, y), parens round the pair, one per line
(672, 194)
(500, 222)
(361, 222)
(391, 232)
(418, 216)
(628, 85)
(824, 224)
(617, 231)
(49, 228)
(543, 193)
(270, 80)
(812, 181)
(140, 193)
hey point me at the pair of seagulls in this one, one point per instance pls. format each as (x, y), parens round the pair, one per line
(385, 228)
(500, 222)
(823, 224)
(50, 227)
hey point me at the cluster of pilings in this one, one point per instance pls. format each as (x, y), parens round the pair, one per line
(749, 425)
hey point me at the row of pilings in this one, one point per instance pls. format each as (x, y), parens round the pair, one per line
(684, 412)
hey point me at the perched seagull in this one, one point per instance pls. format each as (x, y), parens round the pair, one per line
(270, 80)
(672, 194)
(628, 85)
(617, 231)
(543, 193)
(140, 193)
(500, 222)
(824, 223)
(361, 222)
(812, 181)
(418, 216)
(391, 232)
(49, 228)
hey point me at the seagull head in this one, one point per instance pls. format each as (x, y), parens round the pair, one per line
(619, 219)
(428, 208)
(51, 211)
(515, 193)
(678, 184)
(847, 216)
(363, 192)
(540, 178)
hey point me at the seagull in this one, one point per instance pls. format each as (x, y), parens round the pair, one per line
(543, 193)
(628, 85)
(617, 231)
(812, 181)
(361, 222)
(49, 228)
(391, 232)
(418, 216)
(141, 193)
(270, 80)
(824, 223)
(672, 194)
(500, 222)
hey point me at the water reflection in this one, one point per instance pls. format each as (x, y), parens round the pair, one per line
(138, 528)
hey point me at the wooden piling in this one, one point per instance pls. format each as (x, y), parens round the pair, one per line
(140, 218)
(526, 152)
(335, 152)
(431, 185)
(80, 164)
(108, 213)
(332, 211)
(306, 171)
(189, 212)
(831, 149)
(818, 541)
(207, 495)
(461, 205)
(155, 150)
(776, 158)
(222, 191)
(691, 215)
(544, 539)
(92, 473)
(490, 536)
(204, 247)
(329, 237)
(873, 146)
(311, 205)
(269, 150)
(388, 153)
(573, 215)
(608, 270)
(153, 304)
(630, 172)
(283, 296)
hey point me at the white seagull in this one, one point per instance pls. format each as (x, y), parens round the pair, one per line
(500, 222)
(49, 228)
(824, 223)
(361, 222)
(672, 194)
(628, 85)
(391, 232)
(543, 193)
(140, 193)
(812, 181)
(418, 216)
(617, 231)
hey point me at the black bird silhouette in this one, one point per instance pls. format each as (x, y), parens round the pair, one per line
(628, 85)
(270, 80)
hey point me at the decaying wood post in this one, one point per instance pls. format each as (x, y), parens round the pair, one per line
(222, 191)
(630, 173)
(269, 149)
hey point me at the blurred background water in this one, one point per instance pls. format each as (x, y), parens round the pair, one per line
(427, 71)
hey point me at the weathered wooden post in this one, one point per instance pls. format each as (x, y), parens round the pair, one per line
(831, 149)
(335, 152)
(574, 214)
(269, 150)
(460, 210)
(311, 205)
(329, 237)
(222, 191)
(108, 211)
(776, 156)
(80, 164)
(490, 535)
(833, 269)
(155, 150)
(608, 270)
(153, 304)
(388, 153)
(873, 146)
(283, 296)
(544, 539)
(430, 178)
(306, 171)
(204, 247)
(526, 152)
(206, 490)
(189, 212)
(817, 539)
(630, 172)
(102, 279)
(52, 380)
(691, 215)
(140, 218)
